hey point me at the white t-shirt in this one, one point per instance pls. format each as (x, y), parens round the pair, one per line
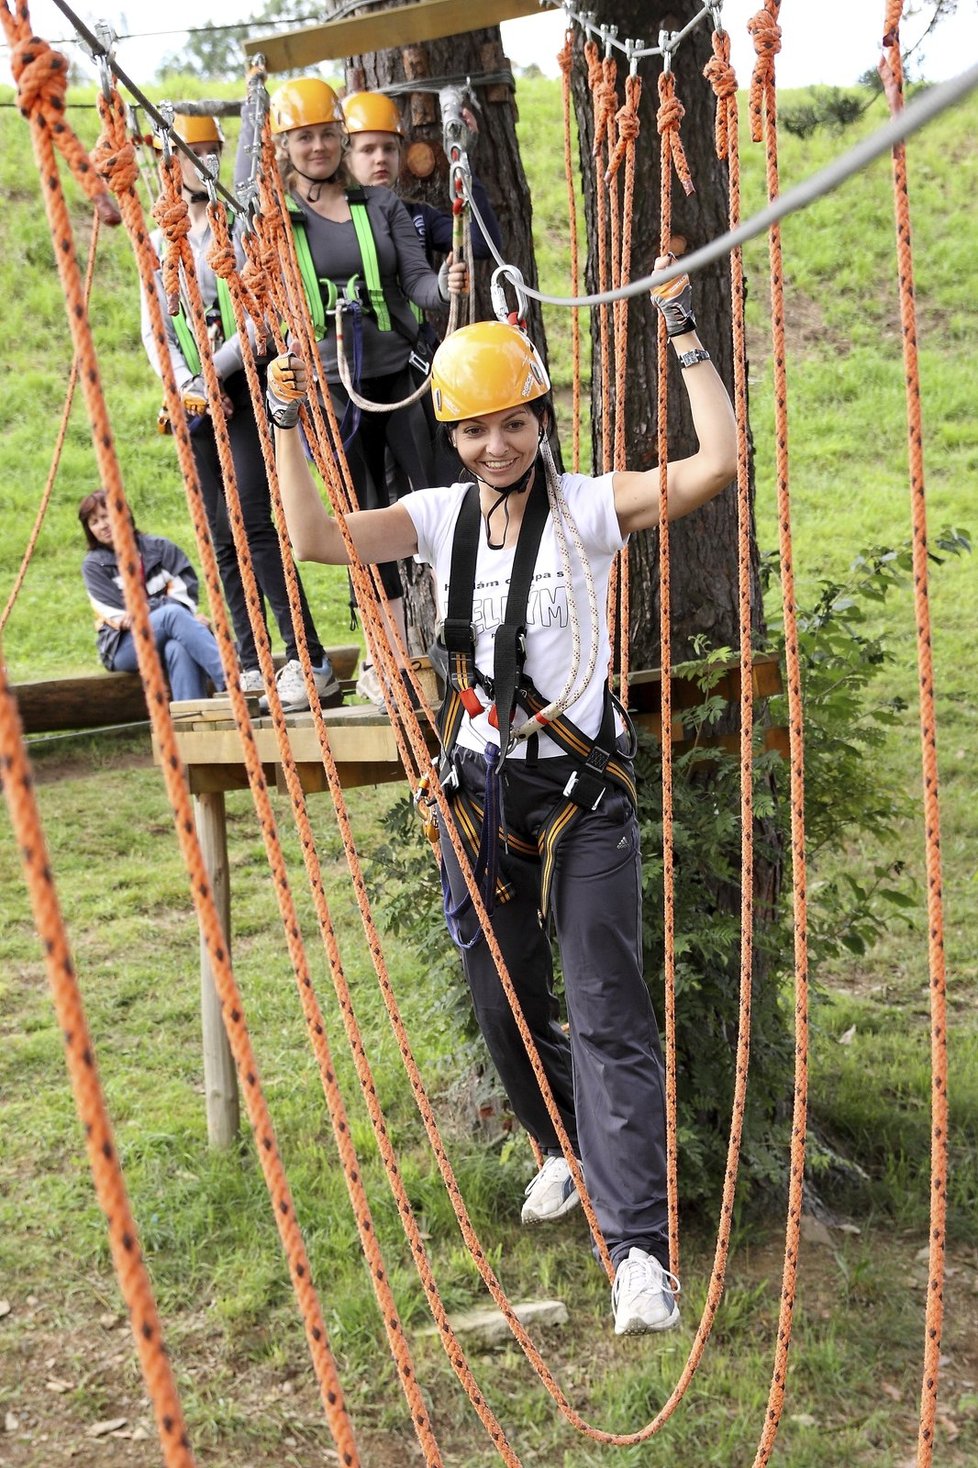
(549, 639)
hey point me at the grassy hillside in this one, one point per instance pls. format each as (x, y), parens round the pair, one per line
(204, 1217)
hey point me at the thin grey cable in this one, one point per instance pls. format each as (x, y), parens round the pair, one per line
(99, 51)
(923, 109)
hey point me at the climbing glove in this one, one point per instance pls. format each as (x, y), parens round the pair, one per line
(284, 395)
(675, 301)
(194, 395)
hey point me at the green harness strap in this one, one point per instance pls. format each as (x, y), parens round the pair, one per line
(185, 336)
(357, 201)
(321, 292)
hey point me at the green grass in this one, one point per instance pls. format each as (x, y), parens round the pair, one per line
(204, 1217)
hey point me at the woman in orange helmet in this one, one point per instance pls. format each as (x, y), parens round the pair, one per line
(360, 239)
(528, 726)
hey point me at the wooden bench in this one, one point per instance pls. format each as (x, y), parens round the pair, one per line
(100, 700)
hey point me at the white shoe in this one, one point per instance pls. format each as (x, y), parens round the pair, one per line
(292, 686)
(551, 1194)
(643, 1296)
(251, 681)
(369, 687)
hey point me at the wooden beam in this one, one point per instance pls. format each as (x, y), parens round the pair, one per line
(383, 30)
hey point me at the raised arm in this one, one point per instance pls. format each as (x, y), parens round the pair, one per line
(379, 535)
(693, 481)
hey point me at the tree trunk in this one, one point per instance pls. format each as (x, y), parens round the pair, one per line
(474, 58)
(703, 548)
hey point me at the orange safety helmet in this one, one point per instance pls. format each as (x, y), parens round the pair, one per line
(306, 102)
(371, 112)
(485, 368)
(191, 128)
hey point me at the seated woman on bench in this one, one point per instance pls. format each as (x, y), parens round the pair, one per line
(184, 640)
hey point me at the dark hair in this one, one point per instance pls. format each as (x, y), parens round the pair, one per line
(97, 500)
(541, 407)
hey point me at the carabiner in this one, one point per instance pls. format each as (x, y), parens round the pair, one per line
(497, 292)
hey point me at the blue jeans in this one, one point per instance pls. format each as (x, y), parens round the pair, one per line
(187, 647)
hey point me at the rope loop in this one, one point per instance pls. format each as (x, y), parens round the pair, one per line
(628, 124)
(767, 43)
(723, 79)
(670, 114)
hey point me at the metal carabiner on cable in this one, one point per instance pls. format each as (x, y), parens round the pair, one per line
(497, 292)
(162, 129)
(666, 42)
(103, 60)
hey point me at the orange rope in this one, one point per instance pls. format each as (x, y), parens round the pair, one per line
(110, 1188)
(115, 156)
(603, 105)
(565, 58)
(223, 262)
(59, 441)
(667, 120)
(763, 112)
(891, 70)
(629, 127)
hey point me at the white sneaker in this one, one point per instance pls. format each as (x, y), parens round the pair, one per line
(292, 687)
(369, 687)
(251, 681)
(551, 1194)
(643, 1296)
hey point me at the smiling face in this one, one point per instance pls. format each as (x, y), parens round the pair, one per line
(499, 447)
(375, 158)
(315, 151)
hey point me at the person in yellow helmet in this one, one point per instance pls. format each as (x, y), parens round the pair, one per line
(522, 558)
(204, 138)
(359, 240)
(373, 124)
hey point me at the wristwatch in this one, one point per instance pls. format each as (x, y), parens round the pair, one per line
(689, 359)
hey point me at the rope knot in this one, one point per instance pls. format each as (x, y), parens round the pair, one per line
(114, 159)
(565, 55)
(718, 71)
(723, 79)
(41, 74)
(670, 114)
(767, 43)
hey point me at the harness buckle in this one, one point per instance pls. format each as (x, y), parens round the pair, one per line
(583, 796)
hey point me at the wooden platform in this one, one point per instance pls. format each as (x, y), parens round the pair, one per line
(360, 736)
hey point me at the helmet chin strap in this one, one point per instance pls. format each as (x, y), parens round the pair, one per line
(518, 486)
(318, 183)
(196, 196)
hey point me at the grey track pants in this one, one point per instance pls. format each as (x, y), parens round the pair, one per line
(606, 1075)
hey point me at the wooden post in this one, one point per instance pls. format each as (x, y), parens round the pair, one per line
(220, 1080)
